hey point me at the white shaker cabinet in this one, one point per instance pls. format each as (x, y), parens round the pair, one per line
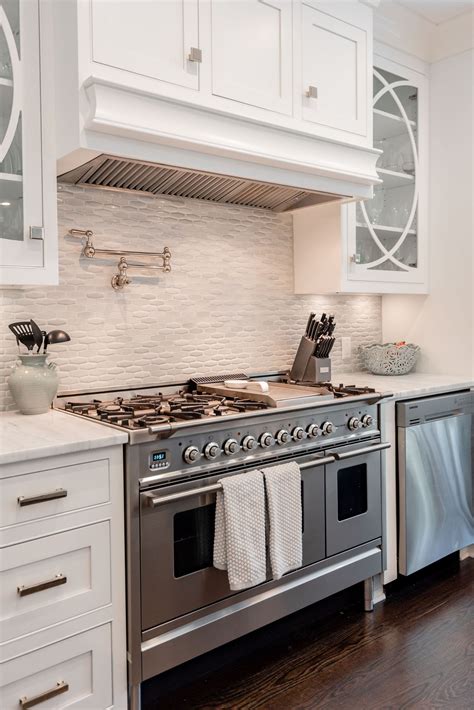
(28, 230)
(378, 245)
(334, 71)
(252, 52)
(151, 39)
(62, 578)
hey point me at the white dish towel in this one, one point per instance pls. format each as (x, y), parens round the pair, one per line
(239, 538)
(283, 488)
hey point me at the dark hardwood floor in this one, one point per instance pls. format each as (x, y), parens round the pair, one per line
(415, 651)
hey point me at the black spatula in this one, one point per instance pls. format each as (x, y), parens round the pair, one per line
(23, 333)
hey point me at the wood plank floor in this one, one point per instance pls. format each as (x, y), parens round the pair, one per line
(415, 651)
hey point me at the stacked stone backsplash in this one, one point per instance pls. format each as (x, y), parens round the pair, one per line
(227, 305)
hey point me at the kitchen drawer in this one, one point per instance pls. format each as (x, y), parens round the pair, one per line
(77, 672)
(53, 578)
(57, 490)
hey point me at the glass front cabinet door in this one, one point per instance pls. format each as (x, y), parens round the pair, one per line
(28, 238)
(386, 236)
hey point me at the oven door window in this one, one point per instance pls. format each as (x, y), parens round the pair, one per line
(193, 539)
(353, 501)
(351, 491)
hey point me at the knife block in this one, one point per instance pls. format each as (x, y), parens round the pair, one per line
(318, 370)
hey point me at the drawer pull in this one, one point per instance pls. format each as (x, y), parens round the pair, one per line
(61, 687)
(59, 493)
(41, 586)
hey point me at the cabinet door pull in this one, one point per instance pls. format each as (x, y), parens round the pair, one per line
(42, 498)
(61, 687)
(23, 591)
(312, 92)
(195, 55)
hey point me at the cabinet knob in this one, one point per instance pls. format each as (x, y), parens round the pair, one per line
(195, 55)
(37, 233)
(312, 92)
(355, 258)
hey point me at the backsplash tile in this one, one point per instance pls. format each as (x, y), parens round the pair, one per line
(227, 305)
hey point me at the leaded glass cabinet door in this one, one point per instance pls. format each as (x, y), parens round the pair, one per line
(22, 187)
(387, 233)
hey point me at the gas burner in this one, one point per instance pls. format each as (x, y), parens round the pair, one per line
(141, 411)
(137, 412)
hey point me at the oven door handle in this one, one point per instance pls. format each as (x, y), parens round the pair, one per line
(153, 501)
(360, 452)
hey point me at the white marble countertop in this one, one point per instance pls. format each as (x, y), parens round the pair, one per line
(415, 384)
(29, 437)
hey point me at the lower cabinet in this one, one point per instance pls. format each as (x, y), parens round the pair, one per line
(75, 672)
(62, 582)
(51, 579)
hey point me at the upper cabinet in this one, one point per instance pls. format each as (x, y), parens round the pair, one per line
(296, 65)
(381, 243)
(28, 238)
(159, 40)
(273, 90)
(334, 71)
(252, 54)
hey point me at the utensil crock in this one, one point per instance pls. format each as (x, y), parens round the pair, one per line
(33, 384)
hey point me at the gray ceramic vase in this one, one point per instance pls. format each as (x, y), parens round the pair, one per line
(34, 384)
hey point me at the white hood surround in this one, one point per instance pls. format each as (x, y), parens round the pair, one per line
(137, 127)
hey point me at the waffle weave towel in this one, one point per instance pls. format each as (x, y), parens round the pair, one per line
(239, 539)
(283, 489)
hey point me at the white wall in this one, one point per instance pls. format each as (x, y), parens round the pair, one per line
(227, 306)
(443, 322)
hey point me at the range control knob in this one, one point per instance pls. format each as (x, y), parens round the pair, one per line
(367, 420)
(298, 433)
(327, 428)
(266, 440)
(283, 436)
(231, 446)
(212, 450)
(191, 454)
(249, 443)
(312, 431)
(353, 423)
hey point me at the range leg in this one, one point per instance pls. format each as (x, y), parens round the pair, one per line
(135, 697)
(373, 592)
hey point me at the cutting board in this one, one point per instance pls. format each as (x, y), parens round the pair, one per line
(280, 394)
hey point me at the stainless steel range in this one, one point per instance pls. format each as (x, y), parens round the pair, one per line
(182, 441)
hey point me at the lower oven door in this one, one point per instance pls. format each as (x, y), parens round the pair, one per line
(177, 538)
(353, 496)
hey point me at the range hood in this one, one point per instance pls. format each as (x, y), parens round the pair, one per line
(129, 140)
(115, 173)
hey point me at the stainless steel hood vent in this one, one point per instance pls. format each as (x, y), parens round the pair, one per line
(115, 173)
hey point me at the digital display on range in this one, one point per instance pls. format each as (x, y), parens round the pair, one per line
(159, 456)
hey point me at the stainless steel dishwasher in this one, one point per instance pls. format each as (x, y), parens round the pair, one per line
(435, 478)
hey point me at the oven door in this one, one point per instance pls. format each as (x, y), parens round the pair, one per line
(177, 538)
(353, 496)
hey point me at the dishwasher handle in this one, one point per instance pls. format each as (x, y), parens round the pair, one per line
(360, 452)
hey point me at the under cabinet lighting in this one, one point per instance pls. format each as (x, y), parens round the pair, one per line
(5, 204)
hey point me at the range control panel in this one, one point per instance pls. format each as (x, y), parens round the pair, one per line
(215, 444)
(159, 460)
